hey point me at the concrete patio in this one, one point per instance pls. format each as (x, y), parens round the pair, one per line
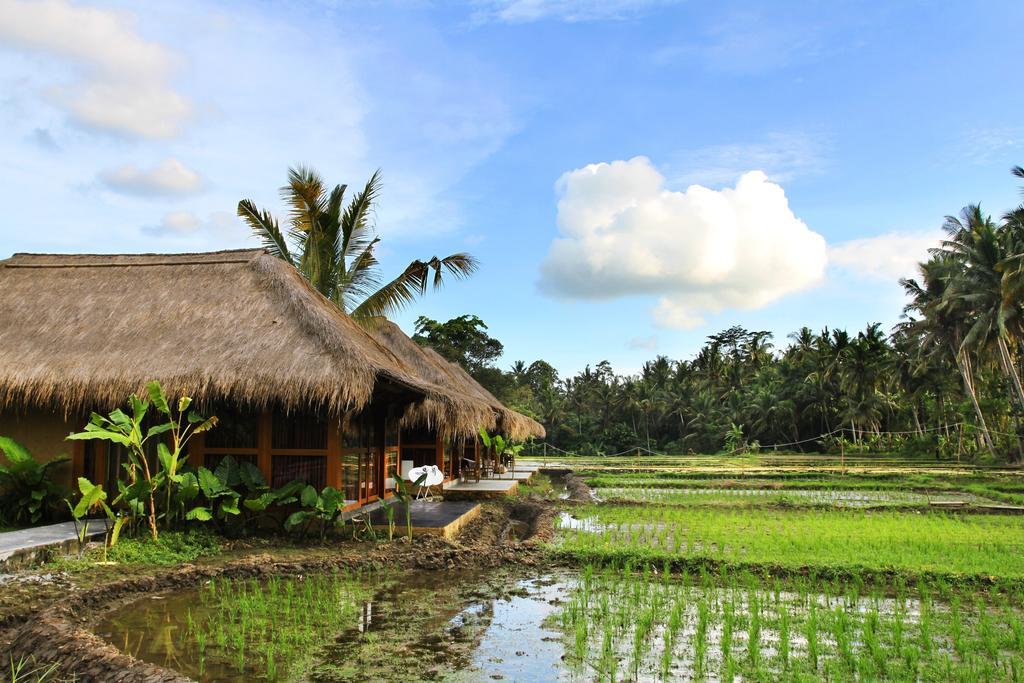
(436, 518)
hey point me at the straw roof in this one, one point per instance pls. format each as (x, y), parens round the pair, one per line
(462, 415)
(471, 406)
(510, 423)
(87, 330)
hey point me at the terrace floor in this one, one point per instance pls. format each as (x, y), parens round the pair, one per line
(485, 488)
(437, 518)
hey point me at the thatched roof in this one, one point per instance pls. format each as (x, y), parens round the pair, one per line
(87, 330)
(511, 423)
(471, 406)
(462, 415)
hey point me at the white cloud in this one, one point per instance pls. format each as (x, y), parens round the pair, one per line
(884, 257)
(523, 11)
(782, 156)
(169, 177)
(623, 232)
(218, 226)
(123, 82)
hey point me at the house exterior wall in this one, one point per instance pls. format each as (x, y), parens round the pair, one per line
(44, 434)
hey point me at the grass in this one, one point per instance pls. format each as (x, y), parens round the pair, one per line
(975, 546)
(629, 622)
(172, 548)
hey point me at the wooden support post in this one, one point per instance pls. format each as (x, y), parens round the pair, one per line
(334, 453)
(263, 444)
(197, 450)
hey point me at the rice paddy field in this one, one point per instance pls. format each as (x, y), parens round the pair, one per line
(793, 567)
(771, 568)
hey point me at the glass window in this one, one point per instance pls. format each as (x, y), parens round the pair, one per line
(311, 469)
(235, 428)
(299, 431)
(350, 475)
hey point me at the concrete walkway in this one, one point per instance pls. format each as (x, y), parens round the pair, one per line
(24, 544)
(485, 488)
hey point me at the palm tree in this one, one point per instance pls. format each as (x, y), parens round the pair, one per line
(941, 325)
(332, 244)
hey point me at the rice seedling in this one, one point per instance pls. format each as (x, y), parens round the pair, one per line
(850, 543)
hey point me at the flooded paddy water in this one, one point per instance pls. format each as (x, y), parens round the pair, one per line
(349, 627)
(597, 623)
(836, 593)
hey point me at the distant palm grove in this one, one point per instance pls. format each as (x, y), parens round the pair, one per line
(946, 381)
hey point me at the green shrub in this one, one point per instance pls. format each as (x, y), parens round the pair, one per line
(28, 494)
(172, 547)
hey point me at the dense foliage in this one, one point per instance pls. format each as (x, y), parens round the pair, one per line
(28, 493)
(946, 381)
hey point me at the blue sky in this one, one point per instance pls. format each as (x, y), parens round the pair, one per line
(557, 141)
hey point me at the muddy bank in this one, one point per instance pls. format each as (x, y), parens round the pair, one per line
(577, 489)
(59, 633)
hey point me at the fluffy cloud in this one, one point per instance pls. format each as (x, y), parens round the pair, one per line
(123, 85)
(885, 257)
(623, 232)
(168, 178)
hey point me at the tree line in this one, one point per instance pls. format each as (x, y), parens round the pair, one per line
(945, 381)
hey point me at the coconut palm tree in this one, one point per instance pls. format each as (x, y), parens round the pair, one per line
(941, 325)
(332, 244)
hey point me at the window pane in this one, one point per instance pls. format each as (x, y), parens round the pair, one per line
(350, 475)
(369, 473)
(305, 431)
(420, 456)
(235, 428)
(311, 469)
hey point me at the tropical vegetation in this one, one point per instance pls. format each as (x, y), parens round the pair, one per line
(333, 245)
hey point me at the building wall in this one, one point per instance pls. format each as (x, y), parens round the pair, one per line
(44, 434)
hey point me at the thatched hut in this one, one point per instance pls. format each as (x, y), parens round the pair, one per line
(300, 390)
(445, 432)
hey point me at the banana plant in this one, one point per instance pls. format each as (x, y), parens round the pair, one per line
(502, 446)
(94, 498)
(126, 430)
(404, 492)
